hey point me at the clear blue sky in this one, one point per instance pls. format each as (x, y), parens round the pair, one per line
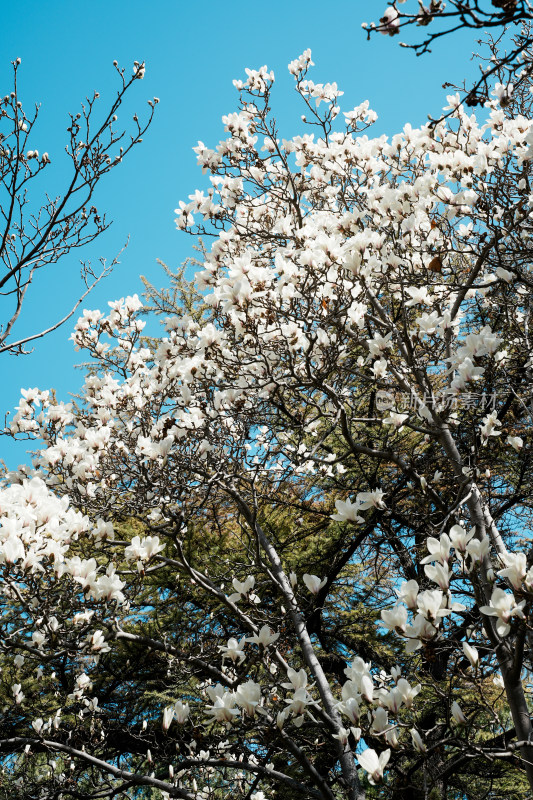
(193, 52)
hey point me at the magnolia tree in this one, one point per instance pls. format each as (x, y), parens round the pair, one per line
(282, 551)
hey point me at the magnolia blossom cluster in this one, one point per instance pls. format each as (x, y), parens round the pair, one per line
(430, 607)
(39, 536)
(37, 527)
(369, 702)
(343, 265)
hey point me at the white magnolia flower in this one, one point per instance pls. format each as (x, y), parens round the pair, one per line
(515, 568)
(298, 703)
(489, 426)
(428, 323)
(392, 700)
(478, 549)
(431, 605)
(99, 643)
(504, 274)
(144, 549)
(395, 420)
(243, 590)
(467, 371)
(298, 679)
(379, 368)
(168, 716)
(373, 499)
(379, 343)
(281, 718)
(516, 442)
(407, 691)
(11, 550)
(350, 707)
(373, 764)
(528, 579)
(347, 512)
(37, 725)
(181, 712)
(264, 638)
(471, 653)
(17, 693)
(503, 606)
(313, 583)
(38, 638)
(408, 593)
(389, 22)
(395, 618)
(422, 630)
(391, 737)
(366, 688)
(418, 742)
(357, 669)
(460, 538)
(233, 650)
(223, 704)
(419, 294)
(457, 713)
(439, 549)
(380, 720)
(439, 574)
(108, 587)
(248, 696)
(342, 736)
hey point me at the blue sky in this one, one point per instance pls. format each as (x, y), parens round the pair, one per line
(192, 53)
